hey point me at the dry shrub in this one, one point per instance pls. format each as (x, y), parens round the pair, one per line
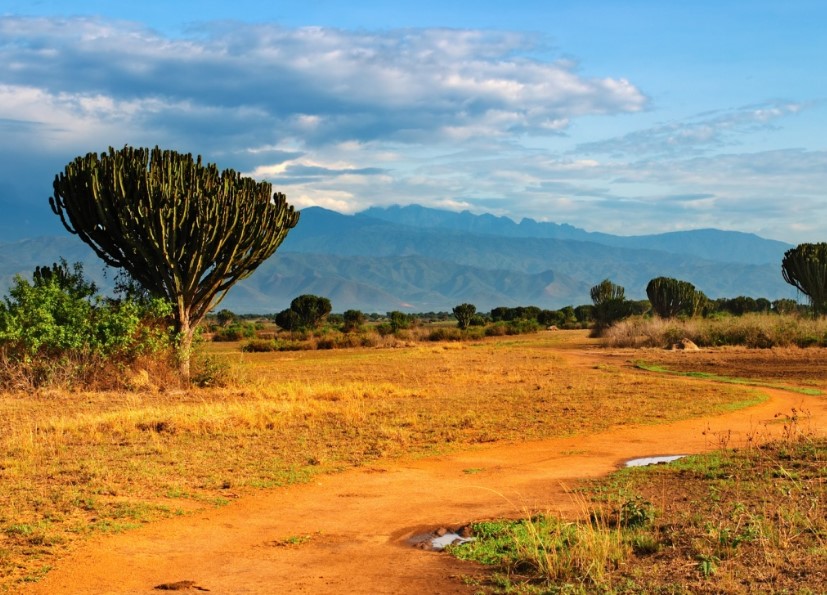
(445, 334)
(264, 346)
(648, 332)
(498, 329)
(341, 341)
(73, 372)
(750, 330)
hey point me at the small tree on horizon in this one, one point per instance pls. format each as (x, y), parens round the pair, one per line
(288, 320)
(225, 317)
(610, 304)
(464, 313)
(672, 297)
(398, 321)
(311, 309)
(352, 320)
(785, 306)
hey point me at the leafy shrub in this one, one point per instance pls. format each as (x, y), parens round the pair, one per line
(340, 341)
(210, 373)
(53, 329)
(259, 346)
(455, 334)
(352, 320)
(445, 334)
(400, 321)
(367, 340)
(522, 326)
(235, 332)
(264, 346)
(326, 343)
(384, 329)
(636, 512)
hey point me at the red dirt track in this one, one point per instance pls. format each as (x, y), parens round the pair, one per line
(354, 526)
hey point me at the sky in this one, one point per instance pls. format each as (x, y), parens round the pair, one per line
(627, 117)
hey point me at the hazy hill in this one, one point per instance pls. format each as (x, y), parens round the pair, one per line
(710, 244)
(418, 259)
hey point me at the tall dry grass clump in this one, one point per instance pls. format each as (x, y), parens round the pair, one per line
(749, 330)
(546, 550)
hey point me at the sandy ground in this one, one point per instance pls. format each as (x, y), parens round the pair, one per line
(353, 529)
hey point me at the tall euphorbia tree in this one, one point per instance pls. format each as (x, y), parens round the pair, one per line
(805, 267)
(184, 230)
(672, 297)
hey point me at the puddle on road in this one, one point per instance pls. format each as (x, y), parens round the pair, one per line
(644, 461)
(440, 539)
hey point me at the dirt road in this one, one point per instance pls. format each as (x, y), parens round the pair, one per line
(349, 533)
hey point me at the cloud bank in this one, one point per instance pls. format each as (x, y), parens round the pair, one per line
(313, 86)
(453, 118)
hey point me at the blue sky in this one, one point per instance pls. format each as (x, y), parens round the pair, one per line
(625, 117)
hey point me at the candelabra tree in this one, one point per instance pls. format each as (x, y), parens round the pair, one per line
(672, 297)
(610, 304)
(805, 268)
(182, 229)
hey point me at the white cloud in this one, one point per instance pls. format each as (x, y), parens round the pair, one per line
(695, 135)
(65, 119)
(313, 82)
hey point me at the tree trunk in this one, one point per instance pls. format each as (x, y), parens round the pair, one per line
(184, 352)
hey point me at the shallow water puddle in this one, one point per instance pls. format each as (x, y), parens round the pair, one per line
(441, 538)
(644, 461)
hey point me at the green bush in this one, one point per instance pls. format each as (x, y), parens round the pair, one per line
(264, 346)
(523, 326)
(259, 346)
(384, 329)
(235, 332)
(340, 341)
(399, 321)
(352, 320)
(56, 323)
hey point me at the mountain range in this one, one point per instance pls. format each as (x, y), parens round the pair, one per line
(419, 259)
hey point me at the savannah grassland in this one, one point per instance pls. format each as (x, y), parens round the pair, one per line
(77, 464)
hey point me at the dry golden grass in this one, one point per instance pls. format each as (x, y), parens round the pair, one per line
(750, 330)
(72, 464)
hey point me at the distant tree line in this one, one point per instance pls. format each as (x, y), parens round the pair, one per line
(805, 267)
(57, 321)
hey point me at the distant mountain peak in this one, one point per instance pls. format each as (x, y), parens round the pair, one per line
(710, 244)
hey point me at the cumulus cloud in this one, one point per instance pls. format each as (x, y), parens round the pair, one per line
(312, 83)
(697, 134)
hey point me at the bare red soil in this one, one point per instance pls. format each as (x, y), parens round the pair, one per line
(349, 533)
